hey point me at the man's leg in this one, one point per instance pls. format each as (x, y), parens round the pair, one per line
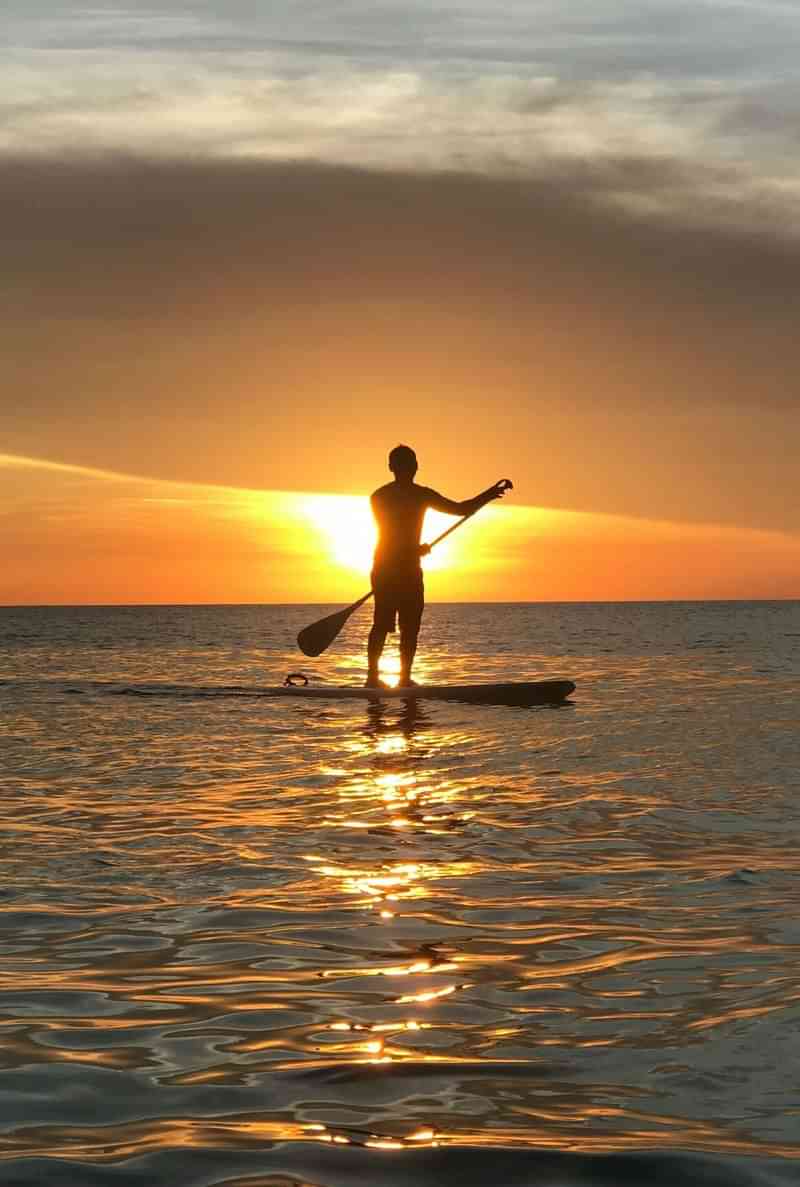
(408, 649)
(410, 618)
(383, 622)
(375, 645)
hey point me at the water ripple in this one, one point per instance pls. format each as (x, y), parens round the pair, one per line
(242, 928)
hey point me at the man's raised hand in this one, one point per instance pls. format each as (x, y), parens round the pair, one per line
(500, 488)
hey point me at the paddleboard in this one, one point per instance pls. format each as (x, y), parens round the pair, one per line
(535, 692)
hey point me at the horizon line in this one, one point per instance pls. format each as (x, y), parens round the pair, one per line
(450, 602)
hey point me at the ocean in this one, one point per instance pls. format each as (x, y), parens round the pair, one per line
(261, 943)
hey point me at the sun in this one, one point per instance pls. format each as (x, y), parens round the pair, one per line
(348, 533)
(346, 528)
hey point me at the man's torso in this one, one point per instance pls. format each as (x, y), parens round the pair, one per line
(399, 510)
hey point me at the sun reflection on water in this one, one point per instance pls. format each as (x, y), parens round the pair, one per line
(384, 786)
(349, 1136)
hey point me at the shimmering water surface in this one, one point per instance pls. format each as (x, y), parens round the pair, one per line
(256, 941)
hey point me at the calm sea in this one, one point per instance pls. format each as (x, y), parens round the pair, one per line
(254, 942)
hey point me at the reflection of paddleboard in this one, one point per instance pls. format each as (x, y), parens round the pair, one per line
(536, 692)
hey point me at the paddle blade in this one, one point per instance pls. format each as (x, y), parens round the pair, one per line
(315, 639)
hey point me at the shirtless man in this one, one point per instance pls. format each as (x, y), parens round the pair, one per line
(399, 509)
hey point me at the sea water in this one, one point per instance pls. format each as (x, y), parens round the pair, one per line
(256, 941)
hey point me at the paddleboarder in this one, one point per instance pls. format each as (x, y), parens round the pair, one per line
(399, 508)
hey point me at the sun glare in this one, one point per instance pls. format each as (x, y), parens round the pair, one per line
(347, 528)
(348, 531)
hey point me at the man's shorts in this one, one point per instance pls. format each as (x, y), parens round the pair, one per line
(399, 597)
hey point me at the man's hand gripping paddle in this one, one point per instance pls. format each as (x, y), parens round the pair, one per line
(315, 639)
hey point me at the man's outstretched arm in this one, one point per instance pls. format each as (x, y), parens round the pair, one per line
(467, 506)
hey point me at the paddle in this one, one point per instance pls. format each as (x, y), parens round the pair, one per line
(315, 639)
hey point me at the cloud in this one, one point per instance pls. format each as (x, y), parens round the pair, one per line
(697, 140)
(10, 461)
(672, 109)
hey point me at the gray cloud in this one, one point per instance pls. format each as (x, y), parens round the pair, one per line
(513, 87)
(721, 153)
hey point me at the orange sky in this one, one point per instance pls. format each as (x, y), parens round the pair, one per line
(74, 535)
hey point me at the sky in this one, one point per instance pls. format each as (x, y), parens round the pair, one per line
(249, 247)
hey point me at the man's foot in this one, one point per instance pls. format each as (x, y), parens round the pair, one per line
(407, 683)
(375, 682)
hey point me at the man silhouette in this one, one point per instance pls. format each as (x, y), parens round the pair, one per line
(399, 508)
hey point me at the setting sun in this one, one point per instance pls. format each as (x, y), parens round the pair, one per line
(346, 526)
(348, 532)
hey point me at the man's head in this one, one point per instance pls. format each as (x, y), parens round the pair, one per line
(403, 461)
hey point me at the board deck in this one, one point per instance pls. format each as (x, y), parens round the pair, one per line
(534, 692)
